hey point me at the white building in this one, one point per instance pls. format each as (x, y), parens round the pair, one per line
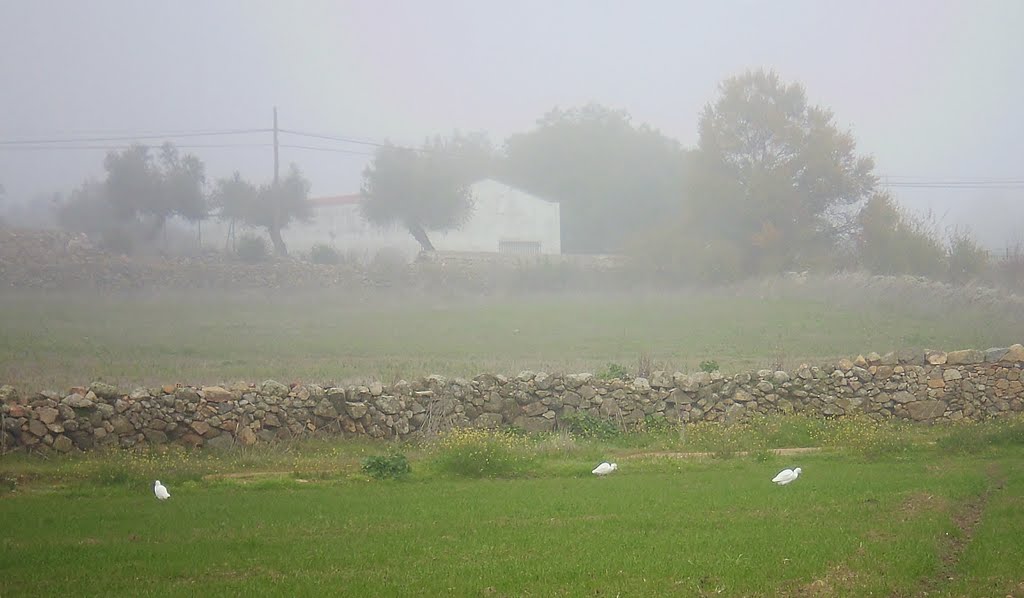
(503, 220)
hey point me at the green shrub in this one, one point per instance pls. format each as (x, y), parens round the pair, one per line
(967, 260)
(590, 426)
(709, 365)
(614, 370)
(894, 241)
(321, 253)
(387, 467)
(1009, 269)
(478, 453)
(252, 249)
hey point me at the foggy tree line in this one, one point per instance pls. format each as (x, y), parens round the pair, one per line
(143, 189)
(772, 185)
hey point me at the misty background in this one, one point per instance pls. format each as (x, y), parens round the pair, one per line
(931, 90)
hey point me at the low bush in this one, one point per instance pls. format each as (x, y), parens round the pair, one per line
(387, 467)
(585, 425)
(252, 249)
(475, 453)
(324, 254)
(614, 371)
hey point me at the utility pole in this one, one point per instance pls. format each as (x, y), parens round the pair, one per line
(275, 198)
(275, 147)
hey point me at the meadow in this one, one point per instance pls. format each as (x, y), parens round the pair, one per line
(879, 510)
(54, 341)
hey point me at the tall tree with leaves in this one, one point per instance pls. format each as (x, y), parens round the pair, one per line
(272, 207)
(774, 177)
(233, 199)
(141, 187)
(613, 179)
(427, 189)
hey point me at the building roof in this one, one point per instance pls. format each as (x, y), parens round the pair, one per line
(357, 198)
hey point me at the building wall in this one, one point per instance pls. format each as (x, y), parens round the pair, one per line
(502, 213)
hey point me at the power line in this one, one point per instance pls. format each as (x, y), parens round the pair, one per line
(955, 185)
(48, 148)
(932, 182)
(366, 142)
(327, 149)
(972, 179)
(337, 138)
(133, 137)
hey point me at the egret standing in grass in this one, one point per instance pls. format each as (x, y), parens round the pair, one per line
(786, 476)
(605, 468)
(161, 491)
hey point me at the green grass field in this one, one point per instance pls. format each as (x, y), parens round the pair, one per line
(889, 510)
(56, 341)
(303, 520)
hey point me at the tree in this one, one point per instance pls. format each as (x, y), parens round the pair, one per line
(270, 206)
(773, 175)
(893, 241)
(277, 205)
(87, 210)
(182, 184)
(233, 198)
(613, 179)
(427, 189)
(141, 187)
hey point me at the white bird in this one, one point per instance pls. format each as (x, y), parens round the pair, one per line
(786, 476)
(605, 468)
(161, 491)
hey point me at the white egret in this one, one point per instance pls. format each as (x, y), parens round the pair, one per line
(161, 491)
(605, 468)
(786, 476)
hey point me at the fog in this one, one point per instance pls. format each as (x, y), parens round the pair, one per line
(931, 89)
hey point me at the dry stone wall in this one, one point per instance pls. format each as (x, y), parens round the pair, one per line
(931, 387)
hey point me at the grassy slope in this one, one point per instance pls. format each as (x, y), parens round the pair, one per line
(658, 527)
(55, 342)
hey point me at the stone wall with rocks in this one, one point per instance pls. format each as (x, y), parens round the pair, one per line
(930, 387)
(59, 260)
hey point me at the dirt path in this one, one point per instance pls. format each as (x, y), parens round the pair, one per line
(966, 517)
(675, 455)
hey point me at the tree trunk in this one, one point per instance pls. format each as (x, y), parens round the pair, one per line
(275, 236)
(420, 235)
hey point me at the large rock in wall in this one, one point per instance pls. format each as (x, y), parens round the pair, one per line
(930, 387)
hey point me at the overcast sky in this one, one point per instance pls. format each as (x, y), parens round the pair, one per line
(932, 89)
